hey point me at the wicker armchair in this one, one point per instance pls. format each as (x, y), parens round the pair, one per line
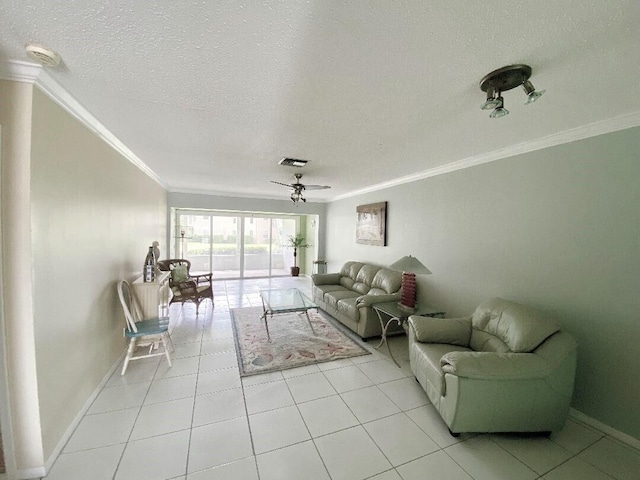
(187, 287)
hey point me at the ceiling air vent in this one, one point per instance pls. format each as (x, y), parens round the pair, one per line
(46, 57)
(292, 162)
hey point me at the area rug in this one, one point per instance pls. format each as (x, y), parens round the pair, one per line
(293, 344)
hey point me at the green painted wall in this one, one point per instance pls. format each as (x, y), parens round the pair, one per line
(557, 229)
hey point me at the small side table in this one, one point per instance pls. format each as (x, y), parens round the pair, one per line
(399, 315)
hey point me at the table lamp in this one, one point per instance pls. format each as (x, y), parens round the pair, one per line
(409, 266)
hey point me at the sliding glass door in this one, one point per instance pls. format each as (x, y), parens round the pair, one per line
(235, 246)
(256, 247)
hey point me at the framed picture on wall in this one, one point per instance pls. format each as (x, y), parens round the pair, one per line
(371, 225)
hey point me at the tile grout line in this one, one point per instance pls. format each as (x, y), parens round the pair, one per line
(246, 410)
(315, 446)
(362, 425)
(193, 408)
(126, 444)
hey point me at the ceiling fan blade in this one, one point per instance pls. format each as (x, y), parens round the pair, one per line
(316, 187)
(280, 183)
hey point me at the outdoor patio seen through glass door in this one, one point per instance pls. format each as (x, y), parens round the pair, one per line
(235, 246)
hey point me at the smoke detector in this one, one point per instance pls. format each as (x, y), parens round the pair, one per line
(43, 55)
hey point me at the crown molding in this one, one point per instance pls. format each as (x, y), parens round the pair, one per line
(18, 71)
(610, 125)
(26, 72)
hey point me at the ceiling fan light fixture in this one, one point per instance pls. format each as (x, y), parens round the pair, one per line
(298, 187)
(297, 197)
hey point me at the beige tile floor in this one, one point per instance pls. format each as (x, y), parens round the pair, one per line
(360, 418)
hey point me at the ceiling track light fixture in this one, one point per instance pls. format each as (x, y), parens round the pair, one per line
(504, 79)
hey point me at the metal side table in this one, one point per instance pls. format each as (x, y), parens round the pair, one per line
(392, 312)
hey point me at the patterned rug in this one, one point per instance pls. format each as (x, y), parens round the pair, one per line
(293, 344)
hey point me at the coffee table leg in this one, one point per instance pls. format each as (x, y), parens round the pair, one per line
(306, 312)
(264, 317)
(266, 325)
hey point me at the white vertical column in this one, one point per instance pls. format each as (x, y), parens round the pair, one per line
(15, 117)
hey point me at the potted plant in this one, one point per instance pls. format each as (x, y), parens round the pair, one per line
(296, 242)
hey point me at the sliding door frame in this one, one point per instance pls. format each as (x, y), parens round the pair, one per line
(241, 216)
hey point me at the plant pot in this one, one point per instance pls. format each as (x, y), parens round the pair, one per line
(295, 271)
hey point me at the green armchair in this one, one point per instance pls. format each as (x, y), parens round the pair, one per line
(504, 369)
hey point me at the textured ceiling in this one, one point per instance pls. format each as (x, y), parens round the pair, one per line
(210, 95)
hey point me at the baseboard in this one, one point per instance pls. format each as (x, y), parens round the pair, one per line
(31, 473)
(604, 428)
(73, 425)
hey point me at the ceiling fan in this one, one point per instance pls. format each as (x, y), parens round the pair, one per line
(298, 188)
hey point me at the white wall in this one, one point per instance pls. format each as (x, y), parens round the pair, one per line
(94, 215)
(557, 229)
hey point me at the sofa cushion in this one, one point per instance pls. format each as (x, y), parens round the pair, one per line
(347, 306)
(482, 341)
(332, 298)
(322, 289)
(387, 280)
(347, 282)
(499, 324)
(366, 274)
(361, 288)
(351, 269)
(325, 278)
(428, 361)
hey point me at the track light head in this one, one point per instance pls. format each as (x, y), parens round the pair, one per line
(492, 99)
(530, 90)
(499, 113)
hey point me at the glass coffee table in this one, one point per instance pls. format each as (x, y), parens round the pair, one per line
(285, 300)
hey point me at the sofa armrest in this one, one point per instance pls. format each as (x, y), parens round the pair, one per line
(326, 278)
(368, 300)
(456, 331)
(495, 366)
